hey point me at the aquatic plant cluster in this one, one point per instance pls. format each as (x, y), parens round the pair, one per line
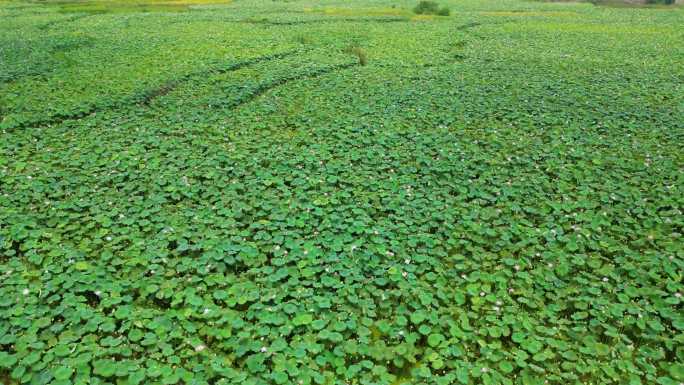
(265, 192)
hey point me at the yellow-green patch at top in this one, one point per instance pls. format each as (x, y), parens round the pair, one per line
(128, 6)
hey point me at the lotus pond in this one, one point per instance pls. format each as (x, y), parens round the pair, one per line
(341, 192)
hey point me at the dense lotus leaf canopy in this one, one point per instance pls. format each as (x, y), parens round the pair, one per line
(221, 193)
